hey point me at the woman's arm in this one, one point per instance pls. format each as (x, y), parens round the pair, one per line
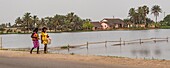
(32, 36)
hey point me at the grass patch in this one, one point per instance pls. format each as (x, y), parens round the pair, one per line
(72, 53)
(138, 28)
(4, 49)
(66, 47)
(165, 27)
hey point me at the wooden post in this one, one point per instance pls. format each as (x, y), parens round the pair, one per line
(1, 43)
(155, 40)
(68, 47)
(140, 41)
(123, 42)
(105, 43)
(120, 41)
(87, 45)
(167, 39)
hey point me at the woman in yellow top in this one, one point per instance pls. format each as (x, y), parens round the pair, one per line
(44, 38)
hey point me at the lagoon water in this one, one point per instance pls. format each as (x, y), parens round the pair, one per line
(159, 50)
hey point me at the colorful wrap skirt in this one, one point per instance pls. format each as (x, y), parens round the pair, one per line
(36, 43)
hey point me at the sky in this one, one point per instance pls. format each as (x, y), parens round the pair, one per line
(94, 9)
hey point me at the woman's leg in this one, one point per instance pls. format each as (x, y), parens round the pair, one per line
(38, 50)
(45, 48)
(31, 50)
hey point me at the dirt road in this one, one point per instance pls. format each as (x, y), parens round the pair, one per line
(14, 62)
(20, 59)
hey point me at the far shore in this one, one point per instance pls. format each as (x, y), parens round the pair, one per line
(120, 29)
(147, 63)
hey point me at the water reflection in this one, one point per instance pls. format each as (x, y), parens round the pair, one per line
(141, 52)
(157, 52)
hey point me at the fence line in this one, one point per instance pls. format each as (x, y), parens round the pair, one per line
(119, 43)
(144, 40)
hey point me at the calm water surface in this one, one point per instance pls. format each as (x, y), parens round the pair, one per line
(159, 50)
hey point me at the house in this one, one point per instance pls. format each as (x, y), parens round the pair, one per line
(104, 25)
(96, 25)
(114, 22)
(108, 23)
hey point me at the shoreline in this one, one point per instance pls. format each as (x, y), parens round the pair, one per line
(121, 29)
(108, 60)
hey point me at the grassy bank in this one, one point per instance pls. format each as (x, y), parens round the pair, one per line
(165, 27)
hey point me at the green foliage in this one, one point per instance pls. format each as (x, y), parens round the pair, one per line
(165, 27)
(139, 16)
(87, 25)
(68, 22)
(126, 20)
(2, 29)
(3, 49)
(157, 25)
(64, 47)
(167, 20)
(137, 28)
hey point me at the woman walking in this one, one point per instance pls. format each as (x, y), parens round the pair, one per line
(44, 38)
(35, 38)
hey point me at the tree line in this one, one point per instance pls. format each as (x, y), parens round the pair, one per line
(139, 15)
(72, 22)
(69, 22)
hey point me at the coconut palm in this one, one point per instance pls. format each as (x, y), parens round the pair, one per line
(146, 11)
(69, 20)
(49, 22)
(140, 15)
(35, 21)
(18, 21)
(156, 10)
(78, 23)
(42, 23)
(132, 14)
(56, 22)
(27, 20)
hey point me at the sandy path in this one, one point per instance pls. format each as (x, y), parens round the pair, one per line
(91, 59)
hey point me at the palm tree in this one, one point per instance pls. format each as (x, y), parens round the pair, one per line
(77, 23)
(132, 14)
(27, 20)
(56, 22)
(49, 22)
(156, 10)
(140, 15)
(18, 21)
(69, 20)
(35, 21)
(62, 19)
(42, 23)
(146, 11)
